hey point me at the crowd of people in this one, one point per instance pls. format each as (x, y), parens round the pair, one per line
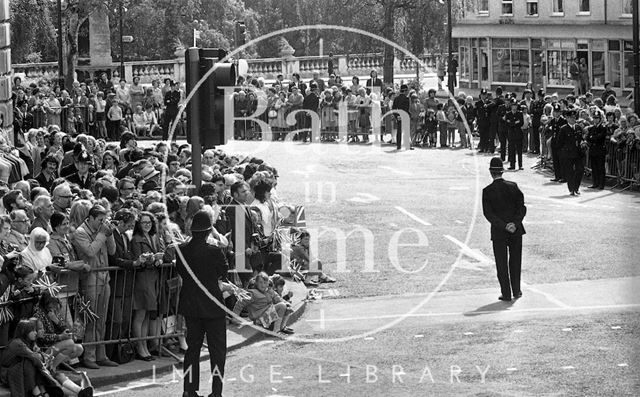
(510, 123)
(102, 108)
(88, 242)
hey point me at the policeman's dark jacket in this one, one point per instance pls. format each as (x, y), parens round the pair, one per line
(503, 203)
(514, 123)
(171, 101)
(553, 127)
(596, 138)
(568, 141)
(482, 112)
(209, 264)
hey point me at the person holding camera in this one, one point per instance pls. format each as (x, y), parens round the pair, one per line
(93, 241)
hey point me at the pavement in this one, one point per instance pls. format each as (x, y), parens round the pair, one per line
(237, 337)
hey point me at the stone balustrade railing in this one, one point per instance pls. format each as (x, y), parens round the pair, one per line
(269, 68)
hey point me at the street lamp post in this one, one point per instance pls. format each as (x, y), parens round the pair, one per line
(450, 57)
(121, 7)
(636, 55)
(60, 55)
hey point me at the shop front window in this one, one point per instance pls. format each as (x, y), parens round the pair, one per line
(597, 68)
(614, 69)
(519, 66)
(628, 64)
(501, 61)
(558, 67)
(464, 62)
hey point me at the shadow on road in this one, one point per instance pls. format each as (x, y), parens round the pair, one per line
(492, 307)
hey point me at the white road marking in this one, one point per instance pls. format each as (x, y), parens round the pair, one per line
(530, 310)
(395, 171)
(369, 338)
(468, 333)
(616, 327)
(459, 222)
(470, 252)
(364, 198)
(623, 365)
(412, 216)
(547, 295)
(566, 330)
(512, 369)
(517, 331)
(568, 367)
(418, 336)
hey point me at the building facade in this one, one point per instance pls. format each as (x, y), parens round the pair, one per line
(511, 42)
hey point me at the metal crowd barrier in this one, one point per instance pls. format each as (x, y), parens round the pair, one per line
(102, 314)
(622, 163)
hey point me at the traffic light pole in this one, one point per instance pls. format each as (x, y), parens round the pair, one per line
(636, 55)
(193, 61)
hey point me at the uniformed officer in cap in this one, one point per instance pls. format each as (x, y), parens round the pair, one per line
(202, 314)
(596, 137)
(482, 114)
(514, 121)
(553, 126)
(503, 206)
(401, 102)
(569, 142)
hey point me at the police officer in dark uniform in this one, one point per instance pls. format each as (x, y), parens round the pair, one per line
(202, 314)
(596, 138)
(503, 206)
(171, 102)
(553, 128)
(495, 118)
(537, 110)
(514, 121)
(502, 127)
(482, 115)
(569, 142)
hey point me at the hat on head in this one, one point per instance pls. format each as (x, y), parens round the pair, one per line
(148, 172)
(150, 185)
(496, 164)
(404, 87)
(557, 108)
(528, 91)
(201, 222)
(570, 113)
(83, 157)
(483, 91)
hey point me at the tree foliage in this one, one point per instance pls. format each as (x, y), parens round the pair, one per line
(161, 26)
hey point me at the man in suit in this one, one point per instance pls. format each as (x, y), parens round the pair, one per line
(239, 215)
(311, 103)
(401, 102)
(121, 281)
(200, 266)
(596, 138)
(514, 121)
(569, 141)
(171, 101)
(482, 114)
(553, 126)
(503, 206)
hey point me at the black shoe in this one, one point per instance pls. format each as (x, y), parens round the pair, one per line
(502, 298)
(518, 295)
(577, 192)
(143, 358)
(573, 193)
(555, 180)
(190, 394)
(601, 187)
(521, 168)
(562, 181)
(511, 168)
(592, 187)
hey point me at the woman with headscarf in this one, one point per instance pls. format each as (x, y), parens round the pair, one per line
(37, 256)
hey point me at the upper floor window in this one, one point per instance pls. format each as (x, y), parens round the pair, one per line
(483, 6)
(626, 8)
(532, 7)
(507, 7)
(584, 6)
(558, 7)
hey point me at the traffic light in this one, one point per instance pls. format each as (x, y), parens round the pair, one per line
(241, 34)
(205, 111)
